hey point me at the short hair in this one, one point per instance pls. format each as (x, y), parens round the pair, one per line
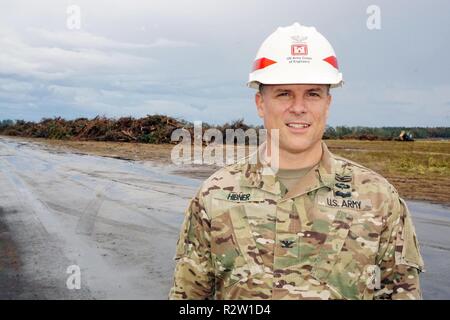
(261, 88)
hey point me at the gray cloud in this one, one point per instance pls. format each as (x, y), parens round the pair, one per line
(191, 59)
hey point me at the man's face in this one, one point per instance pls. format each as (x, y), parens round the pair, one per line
(299, 111)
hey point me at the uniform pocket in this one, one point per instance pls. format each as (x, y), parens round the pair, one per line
(407, 241)
(234, 251)
(332, 246)
(346, 260)
(329, 267)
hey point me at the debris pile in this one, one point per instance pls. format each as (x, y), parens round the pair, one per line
(158, 129)
(150, 129)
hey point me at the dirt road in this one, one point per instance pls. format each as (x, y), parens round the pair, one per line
(118, 221)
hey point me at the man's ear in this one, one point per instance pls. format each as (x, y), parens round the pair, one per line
(329, 98)
(259, 101)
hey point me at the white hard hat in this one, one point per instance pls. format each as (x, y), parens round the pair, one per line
(295, 54)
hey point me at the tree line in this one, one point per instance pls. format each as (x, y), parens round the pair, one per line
(158, 129)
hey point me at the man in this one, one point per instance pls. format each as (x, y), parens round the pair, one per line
(320, 227)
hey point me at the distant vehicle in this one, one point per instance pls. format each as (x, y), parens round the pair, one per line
(405, 136)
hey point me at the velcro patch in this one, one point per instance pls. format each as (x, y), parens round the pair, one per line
(330, 201)
(234, 196)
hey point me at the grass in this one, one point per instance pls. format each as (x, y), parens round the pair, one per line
(419, 170)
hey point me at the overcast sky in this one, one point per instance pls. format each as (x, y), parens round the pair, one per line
(190, 59)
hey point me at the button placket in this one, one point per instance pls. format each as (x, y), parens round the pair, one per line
(286, 241)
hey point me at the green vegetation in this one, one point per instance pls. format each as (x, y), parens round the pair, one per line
(419, 170)
(423, 157)
(385, 133)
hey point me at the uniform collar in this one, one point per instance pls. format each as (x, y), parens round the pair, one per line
(321, 175)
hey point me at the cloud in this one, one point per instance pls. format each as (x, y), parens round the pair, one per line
(81, 39)
(49, 63)
(191, 59)
(417, 96)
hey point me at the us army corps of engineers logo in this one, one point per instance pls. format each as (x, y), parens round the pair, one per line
(299, 50)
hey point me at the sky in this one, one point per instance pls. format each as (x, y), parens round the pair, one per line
(191, 59)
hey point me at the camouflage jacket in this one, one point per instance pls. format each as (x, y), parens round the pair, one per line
(342, 232)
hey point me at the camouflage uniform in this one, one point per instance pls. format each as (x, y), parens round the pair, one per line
(342, 232)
